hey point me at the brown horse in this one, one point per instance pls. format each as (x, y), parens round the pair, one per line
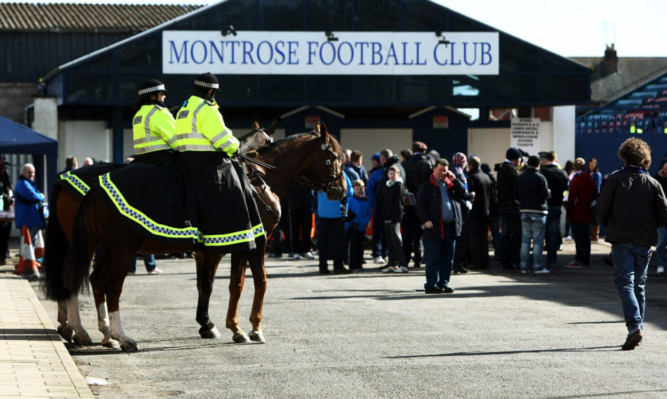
(59, 234)
(307, 158)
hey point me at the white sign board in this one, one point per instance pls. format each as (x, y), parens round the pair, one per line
(525, 134)
(313, 53)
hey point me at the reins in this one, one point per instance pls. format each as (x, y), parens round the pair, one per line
(299, 179)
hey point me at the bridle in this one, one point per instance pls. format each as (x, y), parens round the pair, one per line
(310, 183)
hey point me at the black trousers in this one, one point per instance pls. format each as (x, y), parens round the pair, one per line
(412, 234)
(301, 222)
(331, 242)
(510, 239)
(462, 251)
(5, 230)
(356, 248)
(479, 243)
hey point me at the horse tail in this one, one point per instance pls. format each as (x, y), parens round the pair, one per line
(77, 269)
(55, 250)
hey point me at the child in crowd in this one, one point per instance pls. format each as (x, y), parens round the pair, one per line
(360, 207)
(394, 200)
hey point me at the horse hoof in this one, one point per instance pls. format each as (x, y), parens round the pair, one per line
(81, 339)
(241, 338)
(129, 346)
(112, 344)
(66, 332)
(257, 336)
(207, 334)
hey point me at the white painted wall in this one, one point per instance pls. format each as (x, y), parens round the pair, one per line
(84, 139)
(563, 131)
(558, 135)
(489, 144)
(46, 116)
(370, 141)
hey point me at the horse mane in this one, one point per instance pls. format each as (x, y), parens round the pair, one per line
(280, 142)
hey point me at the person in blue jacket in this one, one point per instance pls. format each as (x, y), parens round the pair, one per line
(28, 207)
(331, 230)
(359, 214)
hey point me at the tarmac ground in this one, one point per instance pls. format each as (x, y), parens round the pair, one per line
(373, 335)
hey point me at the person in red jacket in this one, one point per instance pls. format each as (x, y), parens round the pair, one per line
(580, 200)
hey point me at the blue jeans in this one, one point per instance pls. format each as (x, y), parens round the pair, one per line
(553, 235)
(439, 258)
(149, 262)
(533, 226)
(581, 232)
(630, 269)
(660, 247)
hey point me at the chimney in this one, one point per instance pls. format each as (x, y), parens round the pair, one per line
(610, 60)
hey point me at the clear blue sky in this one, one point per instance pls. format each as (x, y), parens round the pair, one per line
(566, 27)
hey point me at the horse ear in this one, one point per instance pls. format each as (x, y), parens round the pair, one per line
(324, 133)
(251, 154)
(272, 128)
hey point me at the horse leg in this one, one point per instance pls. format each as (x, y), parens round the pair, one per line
(65, 330)
(236, 280)
(258, 270)
(81, 336)
(97, 281)
(207, 265)
(107, 283)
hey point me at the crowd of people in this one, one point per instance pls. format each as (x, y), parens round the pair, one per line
(420, 208)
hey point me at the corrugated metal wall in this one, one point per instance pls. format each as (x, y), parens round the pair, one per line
(27, 56)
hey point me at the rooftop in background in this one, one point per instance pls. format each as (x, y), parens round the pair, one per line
(613, 76)
(71, 17)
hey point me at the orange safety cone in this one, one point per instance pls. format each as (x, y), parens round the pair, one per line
(27, 266)
(18, 268)
(39, 246)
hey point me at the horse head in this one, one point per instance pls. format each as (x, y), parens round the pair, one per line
(331, 156)
(257, 138)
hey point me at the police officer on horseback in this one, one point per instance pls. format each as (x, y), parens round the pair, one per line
(153, 125)
(199, 125)
(206, 145)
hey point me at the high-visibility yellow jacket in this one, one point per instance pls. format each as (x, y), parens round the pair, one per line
(200, 127)
(153, 129)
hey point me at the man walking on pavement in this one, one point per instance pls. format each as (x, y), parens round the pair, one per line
(632, 204)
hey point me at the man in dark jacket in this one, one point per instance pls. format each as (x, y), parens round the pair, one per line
(510, 222)
(531, 191)
(482, 189)
(439, 208)
(632, 204)
(558, 183)
(417, 170)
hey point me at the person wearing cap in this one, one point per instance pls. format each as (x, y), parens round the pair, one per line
(199, 124)
(532, 191)
(153, 125)
(417, 170)
(508, 207)
(632, 205)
